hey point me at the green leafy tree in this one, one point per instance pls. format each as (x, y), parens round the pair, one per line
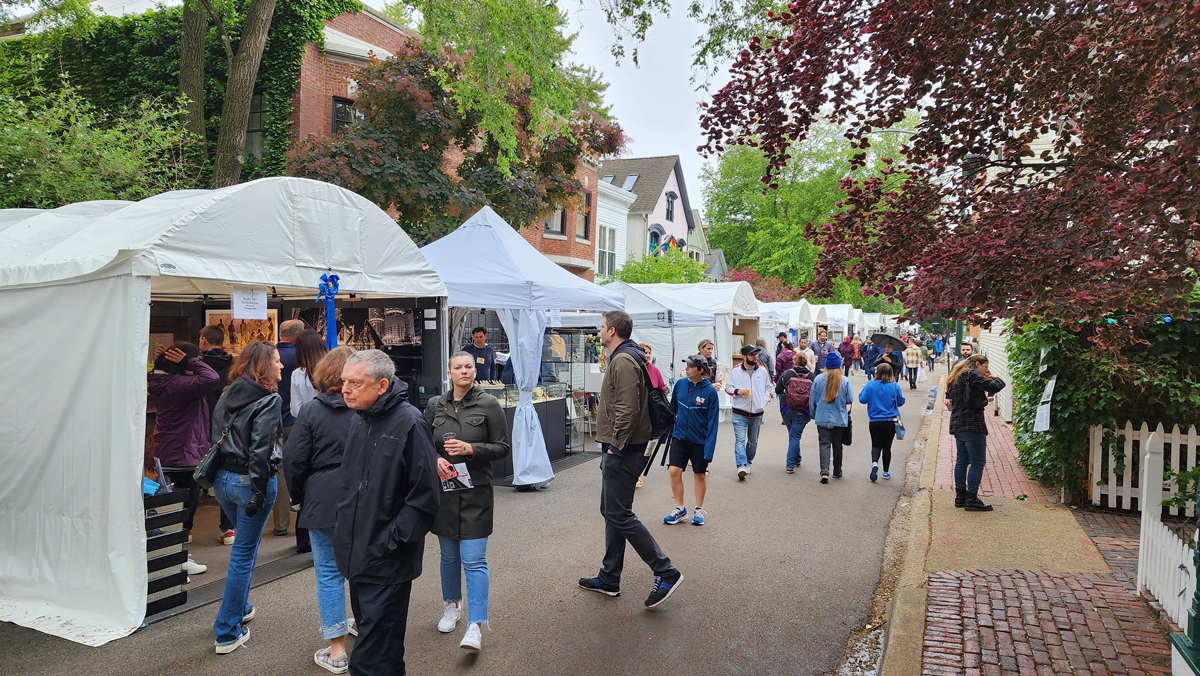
(673, 267)
(762, 227)
(399, 154)
(57, 148)
(511, 44)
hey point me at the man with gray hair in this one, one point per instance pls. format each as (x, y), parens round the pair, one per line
(390, 496)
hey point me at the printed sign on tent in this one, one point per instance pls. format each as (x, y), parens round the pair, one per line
(248, 304)
(556, 319)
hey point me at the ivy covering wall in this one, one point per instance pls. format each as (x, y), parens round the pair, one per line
(1156, 380)
(136, 57)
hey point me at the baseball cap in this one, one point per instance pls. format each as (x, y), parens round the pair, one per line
(748, 349)
(696, 361)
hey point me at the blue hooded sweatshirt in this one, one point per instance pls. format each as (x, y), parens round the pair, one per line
(883, 400)
(697, 413)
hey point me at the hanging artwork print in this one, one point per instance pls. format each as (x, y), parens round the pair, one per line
(241, 332)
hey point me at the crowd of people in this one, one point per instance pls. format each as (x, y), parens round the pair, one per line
(331, 435)
(291, 427)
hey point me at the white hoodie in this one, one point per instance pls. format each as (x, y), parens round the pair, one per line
(759, 384)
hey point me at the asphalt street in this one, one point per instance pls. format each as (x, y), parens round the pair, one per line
(775, 582)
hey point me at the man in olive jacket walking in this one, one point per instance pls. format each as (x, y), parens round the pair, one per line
(623, 428)
(390, 496)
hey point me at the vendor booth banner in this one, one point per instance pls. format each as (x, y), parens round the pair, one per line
(526, 329)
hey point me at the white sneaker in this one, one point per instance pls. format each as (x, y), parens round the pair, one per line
(473, 639)
(234, 645)
(450, 618)
(742, 472)
(192, 568)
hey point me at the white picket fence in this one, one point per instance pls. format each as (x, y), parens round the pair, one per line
(1119, 491)
(1165, 565)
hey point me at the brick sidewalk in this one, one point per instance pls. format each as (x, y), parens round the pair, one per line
(1117, 536)
(1003, 475)
(1017, 622)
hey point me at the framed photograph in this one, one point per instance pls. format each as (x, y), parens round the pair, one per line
(241, 332)
(739, 339)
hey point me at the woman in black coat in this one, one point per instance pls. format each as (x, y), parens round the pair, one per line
(311, 461)
(469, 428)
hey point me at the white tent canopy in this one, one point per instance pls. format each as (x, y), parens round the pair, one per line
(872, 321)
(277, 232)
(813, 316)
(730, 302)
(74, 559)
(770, 323)
(647, 309)
(486, 263)
(793, 310)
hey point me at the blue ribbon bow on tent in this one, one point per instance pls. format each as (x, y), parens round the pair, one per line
(326, 291)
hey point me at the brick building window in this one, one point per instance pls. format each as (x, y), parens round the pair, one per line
(556, 223)
(256, 129)
(583, 218)
(344, 114)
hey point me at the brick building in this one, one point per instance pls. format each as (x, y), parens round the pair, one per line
(568, 236)
(324, 99)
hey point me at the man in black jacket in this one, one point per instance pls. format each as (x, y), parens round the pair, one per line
(390, 496)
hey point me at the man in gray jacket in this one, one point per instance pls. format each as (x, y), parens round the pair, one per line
(623, 429)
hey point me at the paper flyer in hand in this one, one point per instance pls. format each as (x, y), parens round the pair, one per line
(461, 479)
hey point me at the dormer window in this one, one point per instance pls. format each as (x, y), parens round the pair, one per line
(671, 197)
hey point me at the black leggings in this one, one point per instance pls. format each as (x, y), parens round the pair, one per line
(882, 434)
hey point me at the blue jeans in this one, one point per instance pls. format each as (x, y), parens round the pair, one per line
(745, 438)
(233, 494)
(796, 420)
(972, 452)
(469, 556)
(331, 586)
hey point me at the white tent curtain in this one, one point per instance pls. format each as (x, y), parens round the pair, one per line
(73, 562)
(525, 328)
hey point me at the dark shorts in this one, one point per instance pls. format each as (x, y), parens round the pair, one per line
(684, 451)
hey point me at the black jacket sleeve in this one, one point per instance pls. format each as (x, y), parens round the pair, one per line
(781, 386)
(423, 499)
(265, 431)
(297, 456)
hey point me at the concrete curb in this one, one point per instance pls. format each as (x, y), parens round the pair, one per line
(903, 644)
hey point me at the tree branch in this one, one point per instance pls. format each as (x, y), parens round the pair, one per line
(221, 28)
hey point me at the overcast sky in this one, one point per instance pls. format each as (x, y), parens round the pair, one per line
(655, 103)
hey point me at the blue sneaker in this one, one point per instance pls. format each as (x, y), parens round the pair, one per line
(663, 588)
(698, 515)
(875, 471)
(677, 515)
(594, 584)
(887, 475)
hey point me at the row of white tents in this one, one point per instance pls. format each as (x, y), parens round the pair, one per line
(70, 505)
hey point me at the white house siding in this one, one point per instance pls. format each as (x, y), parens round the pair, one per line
(612, 211)
(993, 345)
(677, 228)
